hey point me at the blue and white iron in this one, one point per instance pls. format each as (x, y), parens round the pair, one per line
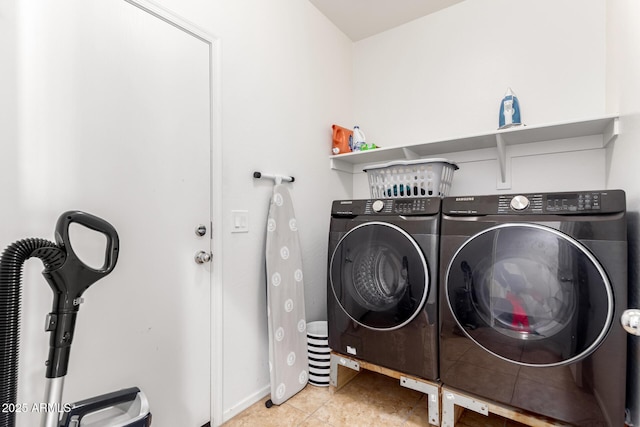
(509, 111)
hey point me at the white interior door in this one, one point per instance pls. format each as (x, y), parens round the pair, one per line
(115, 110)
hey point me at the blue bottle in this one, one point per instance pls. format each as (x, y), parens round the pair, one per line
(509, 111)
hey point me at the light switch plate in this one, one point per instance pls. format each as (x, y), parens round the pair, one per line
(239, 221)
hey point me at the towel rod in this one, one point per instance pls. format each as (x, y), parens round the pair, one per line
(277, 178)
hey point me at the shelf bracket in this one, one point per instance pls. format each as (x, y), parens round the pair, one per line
(502, 157)
(504, 180)
(341, 165)
(409, 154)
(611, 132)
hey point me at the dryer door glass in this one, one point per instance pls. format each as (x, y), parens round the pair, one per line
(379, 275)
(530, 294)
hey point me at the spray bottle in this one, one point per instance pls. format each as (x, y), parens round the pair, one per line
(509, 111)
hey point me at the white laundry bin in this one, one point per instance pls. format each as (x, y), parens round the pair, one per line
(319, 353)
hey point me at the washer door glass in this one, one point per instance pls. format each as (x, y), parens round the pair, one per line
(379, 275)
(530, 294)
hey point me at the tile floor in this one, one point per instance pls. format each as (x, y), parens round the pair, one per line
(369, 400)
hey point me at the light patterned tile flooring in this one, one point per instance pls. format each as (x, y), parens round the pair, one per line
(369, 400)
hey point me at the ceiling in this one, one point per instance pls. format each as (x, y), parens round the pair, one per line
(360, 19)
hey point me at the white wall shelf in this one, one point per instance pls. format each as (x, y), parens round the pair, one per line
(607, 126)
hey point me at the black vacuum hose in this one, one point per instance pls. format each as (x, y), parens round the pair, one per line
(11, 262)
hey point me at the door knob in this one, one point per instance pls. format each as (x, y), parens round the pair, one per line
(631, 321)
(202, 257)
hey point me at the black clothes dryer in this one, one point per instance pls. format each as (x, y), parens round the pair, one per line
(532, 290)
(382, 293)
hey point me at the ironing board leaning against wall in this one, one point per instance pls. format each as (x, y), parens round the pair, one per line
(288, 361)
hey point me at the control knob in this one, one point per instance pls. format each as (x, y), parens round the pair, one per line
(519, 203)
(377, 206)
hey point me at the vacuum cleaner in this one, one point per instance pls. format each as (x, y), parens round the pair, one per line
(68, 278)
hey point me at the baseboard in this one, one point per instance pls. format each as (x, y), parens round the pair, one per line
(245, 403)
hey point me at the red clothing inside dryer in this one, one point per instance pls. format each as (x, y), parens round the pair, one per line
(520, 320)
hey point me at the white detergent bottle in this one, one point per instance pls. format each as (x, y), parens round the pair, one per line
(358, 139)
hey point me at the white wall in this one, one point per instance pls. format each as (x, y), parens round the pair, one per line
(8, 110)
(284, 83)
(443, 76)
(623, 95)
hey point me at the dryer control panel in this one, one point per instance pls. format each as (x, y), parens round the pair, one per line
(563, 203)
(551, 203)
(573, 202)
(412, 206)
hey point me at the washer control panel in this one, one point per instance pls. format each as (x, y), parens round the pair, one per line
(397, 206)
(412, 206)
(408, 207)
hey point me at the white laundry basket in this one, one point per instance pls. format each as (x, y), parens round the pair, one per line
(319, 353)
(411, 178)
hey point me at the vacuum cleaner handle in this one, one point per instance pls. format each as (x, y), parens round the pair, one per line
(73, 277)
(95, 224)
(69, 281)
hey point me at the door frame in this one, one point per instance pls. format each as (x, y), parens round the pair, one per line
(215, 197)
